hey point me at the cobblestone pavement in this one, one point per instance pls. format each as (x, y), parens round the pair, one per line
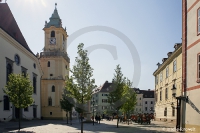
(60, 126)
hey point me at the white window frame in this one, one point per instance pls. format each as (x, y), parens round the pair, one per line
(167, 72)
(174, 66)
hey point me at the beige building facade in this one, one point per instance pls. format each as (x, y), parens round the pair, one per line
(190, 117)
(54, 61)
(168, 85)
(16, 57)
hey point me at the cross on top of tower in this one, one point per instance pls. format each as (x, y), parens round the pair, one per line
(55, 5)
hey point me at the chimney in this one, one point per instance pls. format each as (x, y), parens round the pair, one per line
(164, 59)
(169, 54)
(106, 81)
(148, 89)
(158, 64)
(176, 45)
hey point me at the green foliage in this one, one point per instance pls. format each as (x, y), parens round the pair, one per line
(115, 95)
(129, 97)
(80, 84)
(19, 90)
(66, 102)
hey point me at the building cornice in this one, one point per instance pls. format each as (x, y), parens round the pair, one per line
(169, 60)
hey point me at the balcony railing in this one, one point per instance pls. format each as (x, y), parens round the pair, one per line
(53, 53)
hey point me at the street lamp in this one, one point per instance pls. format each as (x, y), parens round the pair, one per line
(93, 110)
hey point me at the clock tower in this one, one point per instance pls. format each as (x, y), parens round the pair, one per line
(54, 61)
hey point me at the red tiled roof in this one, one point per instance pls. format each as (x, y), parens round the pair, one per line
(9, 25)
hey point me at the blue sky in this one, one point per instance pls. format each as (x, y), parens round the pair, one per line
(153, 26)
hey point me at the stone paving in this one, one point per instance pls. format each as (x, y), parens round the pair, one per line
(60, 126)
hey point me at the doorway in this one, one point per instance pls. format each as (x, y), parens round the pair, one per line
(34, 112)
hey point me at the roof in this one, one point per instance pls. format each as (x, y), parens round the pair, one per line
(54, 20)
(9, 25)
(146, 93)
(106, 87)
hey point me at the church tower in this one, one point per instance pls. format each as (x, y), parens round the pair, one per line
(54, 61)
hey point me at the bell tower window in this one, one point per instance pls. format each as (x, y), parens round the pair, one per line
(52, 33)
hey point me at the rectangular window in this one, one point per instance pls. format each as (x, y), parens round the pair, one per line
(151, 109)
(198, 20)
(165, 112)
(174, 66)
(34, 83)
(9, 68)
(6, 103)
(161, 76)
(145, 108)
(151, 102)
(166, 93)
(198, 67)
(145, 102)
(24, 71)
(167, 72)
(173, 111)
(160, 95)
(157, 79)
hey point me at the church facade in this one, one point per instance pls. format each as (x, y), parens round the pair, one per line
(54, 61)
(16, 57)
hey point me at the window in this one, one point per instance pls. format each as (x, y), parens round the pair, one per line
(161, 76)
(24, 71)
(140, 109)
(174, 66)
(140, 98)
(151, 102)
(50, 113)
(145, 102)
(53, 88)
(151, 109)
(167, 72)
(17, 59)
(34, 65)
(48, 64)
(6, 103)
(198, 21)
(104, 100)
(157, 79)
(165, 112)
(198, 67)
(26, 109)
(173, 111)
(160, 95)
(8, 71)
(166, 93)
(52, 33)
(145, 108)
(50, 101)
(34, 85)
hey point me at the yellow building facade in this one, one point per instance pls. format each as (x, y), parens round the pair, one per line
(168, 85)
(54, 61)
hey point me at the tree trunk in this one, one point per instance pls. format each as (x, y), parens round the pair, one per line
(67, 117)
(71, 117)
(117, 119)
(19, 118)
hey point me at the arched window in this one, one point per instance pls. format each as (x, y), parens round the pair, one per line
(8, 71)
(50, 101)
(52, 33)
(48, 64)
(34, 85)
(53, 88)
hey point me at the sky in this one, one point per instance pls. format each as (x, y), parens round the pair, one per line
(136, 34)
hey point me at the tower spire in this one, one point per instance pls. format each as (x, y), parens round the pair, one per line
(55, 5)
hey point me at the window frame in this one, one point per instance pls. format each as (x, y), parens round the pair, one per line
(198, 68)
(48, 64)
(198, 21)
(34, 83)
(174, 66)
(166, 93)
(5, 102)
(49, 101)
(53, 88)
(167, 71)
(161, 77)
(161, 95)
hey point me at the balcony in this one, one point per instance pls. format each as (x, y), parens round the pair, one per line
(55, 54)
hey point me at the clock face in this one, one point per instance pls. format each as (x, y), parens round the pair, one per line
(52, 41)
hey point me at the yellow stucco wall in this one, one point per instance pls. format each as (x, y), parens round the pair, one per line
(167, 83)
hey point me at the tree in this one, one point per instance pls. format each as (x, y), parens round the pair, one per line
(19, 90)
(81, 78)
(115, 96)
(66, 102)
(129, 96)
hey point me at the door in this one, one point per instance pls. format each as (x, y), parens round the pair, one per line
(178, 113)
(34, 112)
(16, 113)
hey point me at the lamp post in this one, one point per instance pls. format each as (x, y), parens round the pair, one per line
(93, 110)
